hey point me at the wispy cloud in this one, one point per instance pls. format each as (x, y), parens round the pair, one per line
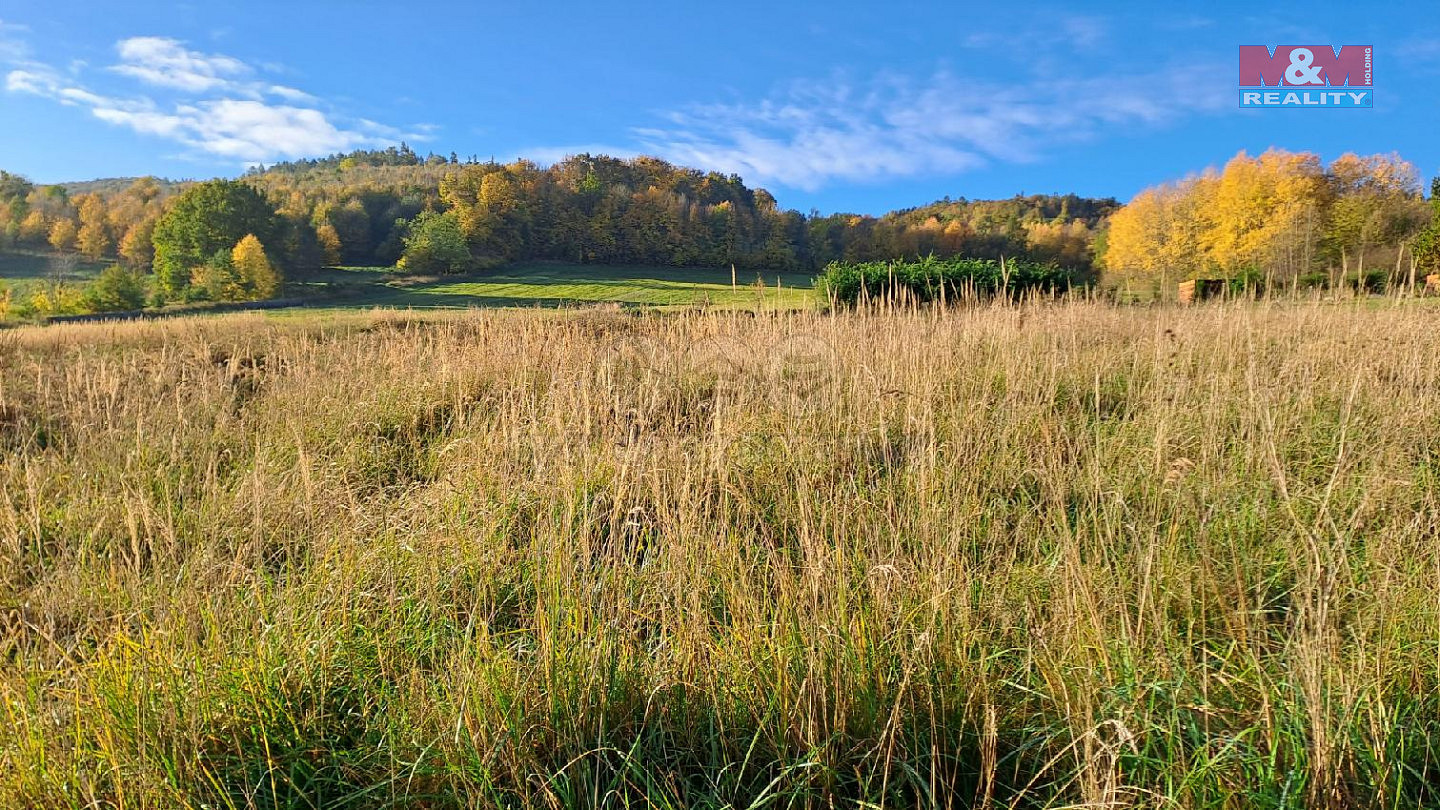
(12, 47)
(812, 133)
(166, 62)
(1084, 32)
(246, 130)
(215, 104)
(291, 94)
(1066, 32)
(1420, 49)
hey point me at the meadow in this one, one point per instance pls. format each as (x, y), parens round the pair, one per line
(526, 284)
(558, 284)
(1047, 554)
(22, 271)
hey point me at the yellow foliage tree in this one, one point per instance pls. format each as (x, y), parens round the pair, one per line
(1066, 244)
(1375, 199)
(35, 228)
(257, 275)
(93, 238)
(62, 235)
(217, 280)
(136, 248)
(1159, 235)
(329, 240)
(1281, 214)
(1265, 213)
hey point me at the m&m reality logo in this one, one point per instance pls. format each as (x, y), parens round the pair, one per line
(1305, 76)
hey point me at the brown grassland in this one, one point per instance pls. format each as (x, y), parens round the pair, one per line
(1039, 555)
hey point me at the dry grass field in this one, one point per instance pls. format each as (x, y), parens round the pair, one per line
(1050, 555)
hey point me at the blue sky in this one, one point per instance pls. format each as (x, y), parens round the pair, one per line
(838, 106)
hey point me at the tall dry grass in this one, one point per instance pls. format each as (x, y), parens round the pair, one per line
(1021, 556)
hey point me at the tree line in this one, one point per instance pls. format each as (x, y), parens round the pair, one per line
(371, 207)
(1281, 220)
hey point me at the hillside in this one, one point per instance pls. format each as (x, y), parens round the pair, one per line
(358, 208)
(110, 186)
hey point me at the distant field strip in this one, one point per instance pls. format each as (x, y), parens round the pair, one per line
(552, 285)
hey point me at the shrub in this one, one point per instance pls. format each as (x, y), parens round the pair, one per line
(1247, 282)
(932, 279)
(53, 299)
(117, 289)
(435, 244)
(1369, 281)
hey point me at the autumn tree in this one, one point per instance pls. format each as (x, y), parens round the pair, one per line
(13, 187)
(207, 218)
(14, 190)
(62, 235)
(1160, 236)
(329, 240)
(1066, 244)
(435, 245)
(34, 229)
(257, 276)
(1265, 214)
(137, 249)
(1374, 207)
(1425, 255)
(1281, 214)
(93, 238)
(216, 279)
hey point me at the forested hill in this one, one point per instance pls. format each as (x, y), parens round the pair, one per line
(1044, 227)
(107, 186)
(363, 207)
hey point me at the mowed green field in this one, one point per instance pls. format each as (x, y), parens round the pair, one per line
(21, 271)
(530, 284)
(559, 284)
(542, 284)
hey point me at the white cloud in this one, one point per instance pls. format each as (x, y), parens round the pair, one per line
(291, 94)
(217, 108)
(245, 130)
(812, 133)
(76, 95)
(12, 48)
(253, 131)
(168, 63)
(29, 81)
(148, 122)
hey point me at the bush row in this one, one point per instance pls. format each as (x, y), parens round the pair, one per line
(932, 279)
